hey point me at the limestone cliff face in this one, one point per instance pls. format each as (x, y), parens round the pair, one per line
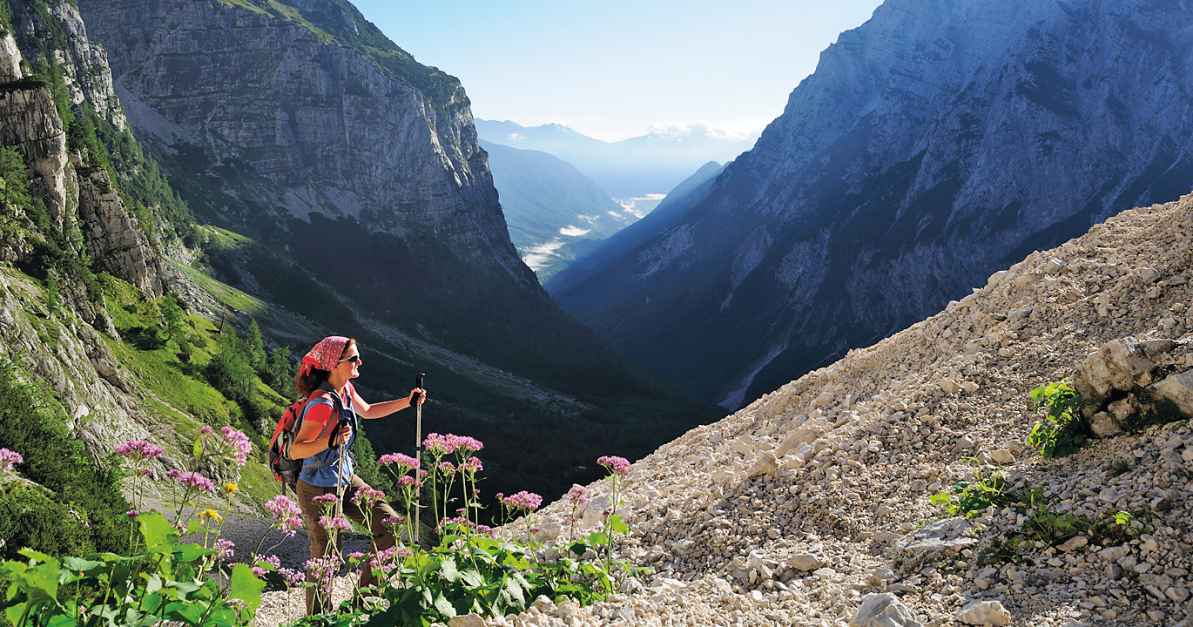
(933, 145)
(78, 193)
(301, 124)
(322, 123)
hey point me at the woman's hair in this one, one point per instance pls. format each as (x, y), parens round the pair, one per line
(316, 377)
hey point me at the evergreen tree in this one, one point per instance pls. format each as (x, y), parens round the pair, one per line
(254, 348)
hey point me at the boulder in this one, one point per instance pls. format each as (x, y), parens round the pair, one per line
(984, 613)
(936, 539)
(1117, 365)
(883, 610)
(1105, 425)
(1178, 390)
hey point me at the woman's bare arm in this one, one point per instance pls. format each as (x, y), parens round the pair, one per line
(372, 411)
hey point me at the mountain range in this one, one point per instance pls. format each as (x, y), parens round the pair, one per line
(933, 145)
(632, 168)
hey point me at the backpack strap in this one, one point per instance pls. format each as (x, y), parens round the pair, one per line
(316, 465)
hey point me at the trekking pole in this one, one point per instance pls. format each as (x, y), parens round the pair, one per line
(418, 450)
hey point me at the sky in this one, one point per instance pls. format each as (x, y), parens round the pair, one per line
(615, 69)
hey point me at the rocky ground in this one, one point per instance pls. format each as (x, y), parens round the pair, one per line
(811, 505)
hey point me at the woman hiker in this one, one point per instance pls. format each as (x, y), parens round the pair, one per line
(327, 469)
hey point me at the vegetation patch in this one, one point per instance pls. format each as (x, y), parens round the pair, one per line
(1061, 430)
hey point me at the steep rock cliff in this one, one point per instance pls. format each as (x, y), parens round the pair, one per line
(931, 146)
(302, 124)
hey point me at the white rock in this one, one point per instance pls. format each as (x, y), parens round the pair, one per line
(883, 610)
(984, 613)
(468, 620)
(805, 562)
(1002, 456)
(1178, 389)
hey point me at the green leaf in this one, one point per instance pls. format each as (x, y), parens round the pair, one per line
(15, 612)
(61, 620)
(514, 591)
(617, 525)
(444, 606)
(449, 571)
(182, 610)
(191, 552)
(472, 579)
(159, 533)
(598, 538)
(197, 448)
(246, 586)
(79, 564)
(36, 556)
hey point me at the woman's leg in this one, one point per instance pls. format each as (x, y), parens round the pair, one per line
(317, 536)
(383, 539)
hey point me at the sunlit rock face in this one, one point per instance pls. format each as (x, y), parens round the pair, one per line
(935, 144)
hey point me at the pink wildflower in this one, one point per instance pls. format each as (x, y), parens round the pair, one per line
(439, 445)
(335, 523)
(292, 577)
(132, 513)
(406, 481)
(528, 501)
(286, 515)
(239, 443)
(192, 480)
(615, 465)
(404, 462)
(206, 430)
(368, 496)
(224, 549)
(578, 495)
(472, 465)
(259, 572)
(447, 468)
(392, 521)
(355, 557)
(139, 450)
(322, 570)
(8, 459)
(325, 499)
(261, 561)
(466, 444)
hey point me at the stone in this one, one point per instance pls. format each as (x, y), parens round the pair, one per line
(1002, 456)
(804, 562)
(942, 537)
(883, 610)
(468, 620)
(969, 386)
(1074, 543)
(1104, 425)
(766, 465)
(803, 435)
(1178, 390)
(949, 386)
(1116, 365)
(984, 613)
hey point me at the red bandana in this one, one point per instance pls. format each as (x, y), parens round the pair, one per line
(324, 355)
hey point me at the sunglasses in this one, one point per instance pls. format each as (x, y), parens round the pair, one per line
(355, 359)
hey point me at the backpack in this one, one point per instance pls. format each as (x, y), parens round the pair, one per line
(285, 431)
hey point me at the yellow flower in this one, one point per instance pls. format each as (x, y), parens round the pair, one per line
(212, 515)
(231, 487)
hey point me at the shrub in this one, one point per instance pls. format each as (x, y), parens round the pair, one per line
(1061, 430)
(969, 498)
(30, 516)
(32, 422)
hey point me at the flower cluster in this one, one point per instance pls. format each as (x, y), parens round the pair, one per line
(404, 462)
(450, 443)
(260, 561)
(615, 465)
(224, 549)
(322, 570)
(192, 480)
(139, 450)
(472, 464)
(336, 523)
(286, 514)
(578, 495)
(210, 515)
(239, 443)
(367, 496)
(326, 499)
(293, 578)
(8, 459)
(447, 468)
(528, 501)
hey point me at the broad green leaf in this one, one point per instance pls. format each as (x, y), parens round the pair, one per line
(80, 564)
(617, 525)
(189, 612)
(44, 579)
(246, 586)
(514, 590)
(34, 555)
(471, 578)
(448, 570)
(444, 606)
(158, 532)
(598, 538)
(191, 552)
(197, 448)
(61, 620)
(15, 612)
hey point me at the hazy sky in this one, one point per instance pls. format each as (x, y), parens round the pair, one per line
(614, 68)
